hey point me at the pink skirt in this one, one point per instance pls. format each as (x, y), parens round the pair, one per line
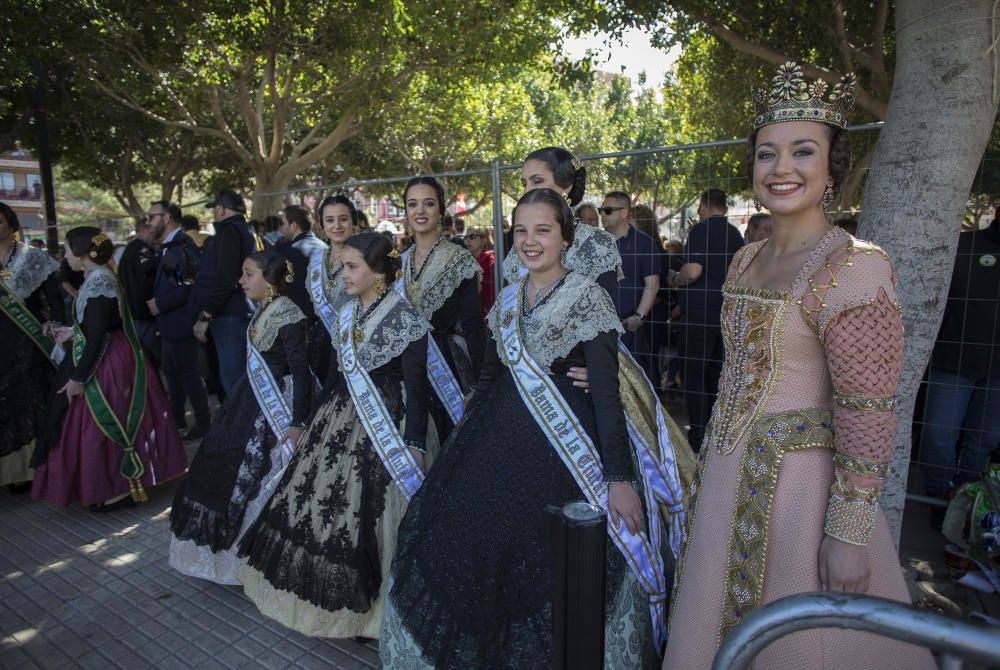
(84, 465)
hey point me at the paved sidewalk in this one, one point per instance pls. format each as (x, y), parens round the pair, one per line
(84, 590)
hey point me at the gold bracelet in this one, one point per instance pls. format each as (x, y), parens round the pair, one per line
(850, 521)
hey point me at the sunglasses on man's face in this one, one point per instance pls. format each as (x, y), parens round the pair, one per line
(472, 236)
(608, 211)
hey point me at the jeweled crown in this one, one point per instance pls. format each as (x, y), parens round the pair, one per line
(792, 98)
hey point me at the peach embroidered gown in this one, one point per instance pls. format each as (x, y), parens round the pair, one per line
(805, 391)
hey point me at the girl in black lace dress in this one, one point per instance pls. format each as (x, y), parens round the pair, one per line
(318, 556)
(241, 459)
(441, 280)
(472, 577)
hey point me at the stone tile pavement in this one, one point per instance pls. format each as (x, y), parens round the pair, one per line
(85, 590)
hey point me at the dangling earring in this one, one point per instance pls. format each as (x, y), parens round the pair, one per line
(379, 285)
(268, 295)
(757, 204)
(828, 194)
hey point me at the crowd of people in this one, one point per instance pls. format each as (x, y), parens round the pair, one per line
(391, 428)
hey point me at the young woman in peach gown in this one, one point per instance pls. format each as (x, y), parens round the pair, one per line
(785, 500)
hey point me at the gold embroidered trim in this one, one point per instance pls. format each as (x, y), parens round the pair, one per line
(771, 438)
(751, 323)
(850, 521)
(861, 466)
(865, 403)
(686, 539)
(846, 489)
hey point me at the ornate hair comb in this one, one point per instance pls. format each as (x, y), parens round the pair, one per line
(394, 254)
(289, 272)
(792, 98)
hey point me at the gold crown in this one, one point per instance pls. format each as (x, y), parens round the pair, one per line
(791, 98)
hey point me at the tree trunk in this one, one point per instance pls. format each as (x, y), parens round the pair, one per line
(266, 205)
(939, 119)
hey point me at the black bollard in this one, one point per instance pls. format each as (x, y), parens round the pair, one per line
(578, 540)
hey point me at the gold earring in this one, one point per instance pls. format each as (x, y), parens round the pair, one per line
(289, 272)
(268, 295)
(379, 284)
(757, 204)
(828, 194)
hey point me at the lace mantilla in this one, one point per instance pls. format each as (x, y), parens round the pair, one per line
(266, 324)
(29, 267)
(447, 266)
(593, 252)
(389, 330)
(578, 311)
(99, 282)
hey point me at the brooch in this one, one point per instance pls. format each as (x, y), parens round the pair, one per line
(508, 316)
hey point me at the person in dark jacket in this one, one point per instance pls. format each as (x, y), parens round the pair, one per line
(711, 245)
(963, 382)
(137, 272)
(299, 244)
(217, 294)
(176, 315)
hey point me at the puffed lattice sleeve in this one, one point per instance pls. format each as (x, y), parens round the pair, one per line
(852, 304)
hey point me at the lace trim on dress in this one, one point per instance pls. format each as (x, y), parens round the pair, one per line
(593, 252)
(388, 330)
(29, 267)
(574, 312)
(266, 323)
(99, 282)
(444, 269)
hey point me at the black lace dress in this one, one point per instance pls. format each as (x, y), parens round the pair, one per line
(472, 578)
(25, 372)
(238, 463)
(317, 557)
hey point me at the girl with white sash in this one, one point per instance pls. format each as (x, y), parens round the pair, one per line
(441, 280)
(660, 444)
(472, 578)
(318, 557)
(325, 283)
(253, 434)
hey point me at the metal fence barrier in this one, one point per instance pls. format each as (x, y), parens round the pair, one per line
(957, 641)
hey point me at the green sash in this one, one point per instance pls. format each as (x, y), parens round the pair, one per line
(132, 468)
(22, 317)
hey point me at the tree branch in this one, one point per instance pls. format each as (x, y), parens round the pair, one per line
(867, 100)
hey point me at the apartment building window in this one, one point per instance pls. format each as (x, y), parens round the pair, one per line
(6, 181)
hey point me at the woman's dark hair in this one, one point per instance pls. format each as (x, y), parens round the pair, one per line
(338, 200)
(11, 216)
(275, 268)
(90, 242)
(559, 206)
(564, 171)
(300, 216)
(377, 250)
(645, 220)
(840, 156)
(433, 183)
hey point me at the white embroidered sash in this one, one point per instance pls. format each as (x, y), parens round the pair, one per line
(375, 417)
(661, 478)
(579, 454)
(269, 398)
(438, 372)
(326, 311)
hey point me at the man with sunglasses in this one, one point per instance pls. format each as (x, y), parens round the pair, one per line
(641, 265)
(137, 272)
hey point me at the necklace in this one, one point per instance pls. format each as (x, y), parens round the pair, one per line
(359, 319)
(414, 272)
(5, 271)
(545, 289)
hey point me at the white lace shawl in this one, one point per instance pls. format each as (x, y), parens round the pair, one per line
(333, 289)
(578, 311)
(593, 252)
(29, 268)
(266, 323)
(388, 330)
(444, 270)
(99, 282)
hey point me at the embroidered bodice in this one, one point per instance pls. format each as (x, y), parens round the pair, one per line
(445, 268)
(266, 323)
(387, 331)
(593, 252)
(576, 311)
(99, 282)
(28, 269)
